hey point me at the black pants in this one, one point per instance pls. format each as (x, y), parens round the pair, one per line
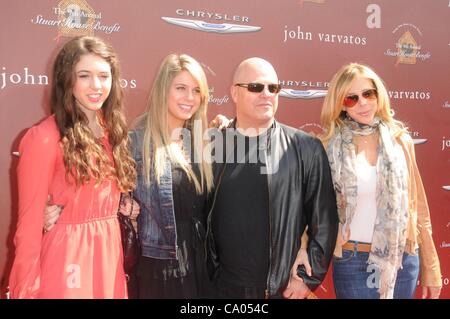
(225, 290)
(153, 284)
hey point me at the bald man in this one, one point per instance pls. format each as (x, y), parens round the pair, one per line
(265, 197)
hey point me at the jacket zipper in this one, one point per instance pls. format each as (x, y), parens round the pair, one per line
(267, 291)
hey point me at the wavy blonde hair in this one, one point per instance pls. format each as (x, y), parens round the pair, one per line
(84, 156)
(333, 107)
(157, 138)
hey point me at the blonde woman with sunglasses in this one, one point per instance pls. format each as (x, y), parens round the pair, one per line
(385, 229)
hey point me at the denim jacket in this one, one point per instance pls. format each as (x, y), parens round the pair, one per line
(156, 221)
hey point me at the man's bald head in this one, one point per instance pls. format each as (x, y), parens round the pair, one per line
(247, 68)
(254, 109)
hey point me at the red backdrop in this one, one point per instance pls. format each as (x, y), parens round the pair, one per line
(406, 42)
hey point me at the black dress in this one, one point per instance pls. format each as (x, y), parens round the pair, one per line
(184, 277)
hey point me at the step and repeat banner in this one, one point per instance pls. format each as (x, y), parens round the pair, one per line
(407, 42)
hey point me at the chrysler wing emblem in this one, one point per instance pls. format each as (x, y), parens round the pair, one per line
(211, 27)
(419, 140)
(298, 94)
(447, 187)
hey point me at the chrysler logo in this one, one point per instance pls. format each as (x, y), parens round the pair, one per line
(419, 140)
(211, 27)
(303, 94)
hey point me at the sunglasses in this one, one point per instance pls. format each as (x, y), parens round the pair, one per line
(259, 87)
(351, 100)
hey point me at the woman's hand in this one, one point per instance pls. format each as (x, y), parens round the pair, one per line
(431, 292)
(51, 214)
(129, 207)
(302, 259)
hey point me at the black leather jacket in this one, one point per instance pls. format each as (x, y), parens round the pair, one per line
(300, 194)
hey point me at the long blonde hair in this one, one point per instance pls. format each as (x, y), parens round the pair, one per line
(333, 108)
(84, 157)
(157, 141)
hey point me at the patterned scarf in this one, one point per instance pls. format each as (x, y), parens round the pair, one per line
(389, 234)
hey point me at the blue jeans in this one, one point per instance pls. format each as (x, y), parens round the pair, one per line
(353, 278)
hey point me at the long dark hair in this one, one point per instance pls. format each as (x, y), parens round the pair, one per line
(84, 157)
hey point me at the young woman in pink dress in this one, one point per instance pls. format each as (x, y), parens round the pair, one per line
(79, 155)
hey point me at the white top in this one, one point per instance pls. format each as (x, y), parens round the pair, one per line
(361, 228)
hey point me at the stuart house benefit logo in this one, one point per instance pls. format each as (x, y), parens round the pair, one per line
(407, 49)
(76, 18)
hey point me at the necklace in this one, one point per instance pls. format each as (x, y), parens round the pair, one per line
(364, 139)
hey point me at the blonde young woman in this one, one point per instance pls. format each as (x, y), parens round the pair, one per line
(173, 181)
(79, 156)
(385, 228)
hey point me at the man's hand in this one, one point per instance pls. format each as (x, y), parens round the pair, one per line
(51, 214)
(220, 122)
(296, 288)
